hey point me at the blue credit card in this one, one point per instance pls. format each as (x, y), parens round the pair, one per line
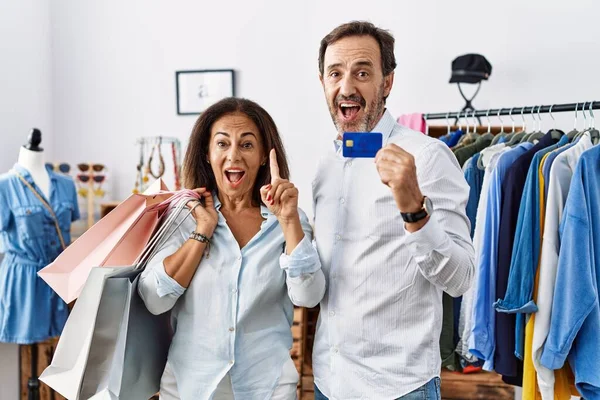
(361, 144)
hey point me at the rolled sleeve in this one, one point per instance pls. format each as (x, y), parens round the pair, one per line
(165, 285)
(305, 279)
(303, 259)
(157, 289)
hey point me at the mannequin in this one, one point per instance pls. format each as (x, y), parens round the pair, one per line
(37, 207)
(31, 157)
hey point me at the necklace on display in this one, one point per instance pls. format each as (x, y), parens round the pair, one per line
(161, 161)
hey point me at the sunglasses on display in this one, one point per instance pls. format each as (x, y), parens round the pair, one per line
(84, 178)
(59, 167)
(86, 167)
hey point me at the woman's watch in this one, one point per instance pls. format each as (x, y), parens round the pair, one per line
(426, 210)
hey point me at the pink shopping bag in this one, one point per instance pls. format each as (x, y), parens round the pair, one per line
(115, 240)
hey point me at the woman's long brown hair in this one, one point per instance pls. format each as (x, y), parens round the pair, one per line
(197, 172)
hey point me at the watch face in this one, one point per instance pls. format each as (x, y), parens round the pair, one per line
(428, 205)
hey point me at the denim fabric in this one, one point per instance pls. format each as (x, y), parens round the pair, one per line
(30, 311)
(474, 177)
(575, 319)
(429, 391)
(526, 249)
(512, 189)
(483, 340)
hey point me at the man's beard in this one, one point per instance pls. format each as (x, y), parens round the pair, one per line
(368, 120)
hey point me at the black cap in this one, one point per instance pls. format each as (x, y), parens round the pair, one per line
(470, 68)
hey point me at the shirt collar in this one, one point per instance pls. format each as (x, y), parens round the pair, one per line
(264, 211)
(385, 126)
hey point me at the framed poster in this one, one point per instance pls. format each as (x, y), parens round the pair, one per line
(198, 90)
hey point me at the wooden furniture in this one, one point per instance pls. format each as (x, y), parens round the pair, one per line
(45, 352)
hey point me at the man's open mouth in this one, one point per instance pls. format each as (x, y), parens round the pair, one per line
(349, 110)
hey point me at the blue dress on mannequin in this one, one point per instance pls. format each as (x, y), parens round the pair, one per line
(30, 311)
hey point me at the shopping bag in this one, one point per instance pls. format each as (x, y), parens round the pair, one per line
(112, 347)
(115, 240)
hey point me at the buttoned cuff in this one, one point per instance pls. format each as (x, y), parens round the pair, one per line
(165, 285)
(427, 239)
(303, 259)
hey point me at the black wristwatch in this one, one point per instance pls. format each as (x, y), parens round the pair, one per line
(426, 210)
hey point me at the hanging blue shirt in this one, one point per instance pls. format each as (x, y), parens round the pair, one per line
(454, 138)
(550, 160)
(474, 177)
(525, 254)
(483, 340)
(31, 312)
(575, 319)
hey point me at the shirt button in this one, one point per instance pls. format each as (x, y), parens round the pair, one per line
(342, 201)
(231, 329)
(331, 313)
(338, 237)
(230, 362)
(336, 350)
(234, 291)
(349, 163)
(239, 258)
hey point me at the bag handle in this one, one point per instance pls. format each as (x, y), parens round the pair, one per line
(48, 207)
(161, 235)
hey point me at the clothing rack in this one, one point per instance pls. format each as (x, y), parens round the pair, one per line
(569, 107)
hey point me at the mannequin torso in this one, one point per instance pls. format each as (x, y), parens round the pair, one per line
(34, 162)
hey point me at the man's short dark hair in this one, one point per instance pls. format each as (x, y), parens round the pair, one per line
(362, 28)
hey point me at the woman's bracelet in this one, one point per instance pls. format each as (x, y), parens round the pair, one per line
(202, 239)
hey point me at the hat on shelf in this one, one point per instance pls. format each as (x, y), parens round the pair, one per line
(470, 68)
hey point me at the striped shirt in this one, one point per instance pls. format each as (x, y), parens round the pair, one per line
(380, 322)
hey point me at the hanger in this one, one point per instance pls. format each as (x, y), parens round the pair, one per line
(536, 135)
(515, 137)
(488, 134)
(468, 133)
(501, 134)
(584, 130)
(571, 135)
(594, 134)
(556, 133)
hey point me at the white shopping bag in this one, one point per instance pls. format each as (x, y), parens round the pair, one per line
(112, 347)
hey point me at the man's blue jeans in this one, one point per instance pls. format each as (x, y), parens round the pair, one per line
(429, 391)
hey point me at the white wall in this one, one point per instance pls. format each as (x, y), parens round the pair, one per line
(25, 102)
(25, 73)
(114, 65)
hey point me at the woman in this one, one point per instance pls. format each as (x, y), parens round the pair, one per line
(231, 273)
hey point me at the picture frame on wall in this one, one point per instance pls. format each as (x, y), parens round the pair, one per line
(199, 89)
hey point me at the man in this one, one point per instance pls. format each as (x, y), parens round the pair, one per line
(391, 232)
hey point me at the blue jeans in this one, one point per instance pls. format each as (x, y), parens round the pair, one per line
(429, 391)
